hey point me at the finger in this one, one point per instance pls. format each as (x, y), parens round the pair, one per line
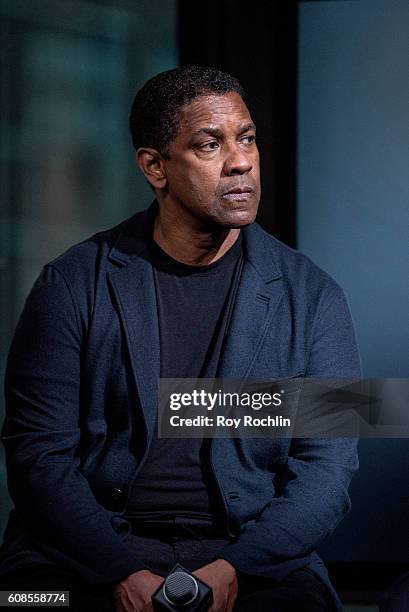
(146, 607)
(220, 605)
(230, 604)
(231, 599)
(224, 601)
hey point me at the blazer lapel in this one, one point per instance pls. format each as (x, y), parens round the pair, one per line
(258, 295)
(134, 288)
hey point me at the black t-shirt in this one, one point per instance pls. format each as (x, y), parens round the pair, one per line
(194, 305)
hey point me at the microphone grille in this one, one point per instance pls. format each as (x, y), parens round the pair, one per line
(180, 588)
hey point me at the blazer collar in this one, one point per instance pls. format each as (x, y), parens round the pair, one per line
(134, 233)
(259, 252)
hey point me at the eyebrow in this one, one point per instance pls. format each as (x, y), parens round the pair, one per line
(219, 134)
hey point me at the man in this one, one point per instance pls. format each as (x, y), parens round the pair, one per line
(191, 287)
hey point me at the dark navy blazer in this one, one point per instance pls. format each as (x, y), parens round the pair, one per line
(81, 394)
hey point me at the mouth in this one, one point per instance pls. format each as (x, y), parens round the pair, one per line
(238, 194)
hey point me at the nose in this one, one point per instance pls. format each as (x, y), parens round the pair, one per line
(237, 161)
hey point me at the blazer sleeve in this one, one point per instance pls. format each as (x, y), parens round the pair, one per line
(41, 434)
(314, 496)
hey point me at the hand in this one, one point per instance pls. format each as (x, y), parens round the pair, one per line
(134, 593)
(222, 577)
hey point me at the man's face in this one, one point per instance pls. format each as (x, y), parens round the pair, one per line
(213, 167)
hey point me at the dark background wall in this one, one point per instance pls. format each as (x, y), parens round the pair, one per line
(353, 220)
(258, 44)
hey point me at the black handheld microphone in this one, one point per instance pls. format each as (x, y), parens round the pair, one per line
(182, 591)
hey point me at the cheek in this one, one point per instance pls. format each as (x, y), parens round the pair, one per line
(190, 189)
(195, 181)
(203, 183)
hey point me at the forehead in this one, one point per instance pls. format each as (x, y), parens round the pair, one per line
(223, 112)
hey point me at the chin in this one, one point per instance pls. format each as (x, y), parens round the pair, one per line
(239, 219)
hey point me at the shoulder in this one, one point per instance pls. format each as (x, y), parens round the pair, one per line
(81, 271)
(301, 276)
(85, 254)
(90, 259)
(317, 307)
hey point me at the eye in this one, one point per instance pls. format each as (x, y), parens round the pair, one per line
(210, 146)
(249, 139)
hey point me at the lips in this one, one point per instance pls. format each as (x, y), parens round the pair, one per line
(238, 190)
(237, 194)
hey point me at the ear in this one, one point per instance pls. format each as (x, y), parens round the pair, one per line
(152, 165)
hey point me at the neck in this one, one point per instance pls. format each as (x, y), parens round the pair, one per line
(190, 243)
